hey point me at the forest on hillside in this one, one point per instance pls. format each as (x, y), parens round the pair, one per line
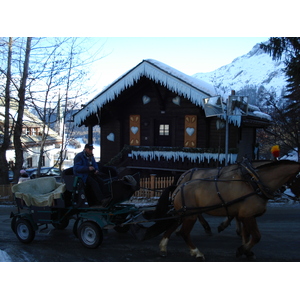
(82, 133)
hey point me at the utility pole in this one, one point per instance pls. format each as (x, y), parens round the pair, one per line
(227, 128)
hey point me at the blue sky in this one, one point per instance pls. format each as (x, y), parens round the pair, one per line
(189, 55)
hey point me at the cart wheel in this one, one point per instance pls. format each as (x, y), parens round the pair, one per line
(122, 229)
(64, 224)
(75, 227)
(90, 234)
(13, 224)
(24, 231)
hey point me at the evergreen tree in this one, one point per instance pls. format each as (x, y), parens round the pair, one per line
(288, 49)
(287, 117)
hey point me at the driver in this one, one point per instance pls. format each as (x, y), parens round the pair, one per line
(86, 167)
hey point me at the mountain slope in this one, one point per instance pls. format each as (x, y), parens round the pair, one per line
(254, 74)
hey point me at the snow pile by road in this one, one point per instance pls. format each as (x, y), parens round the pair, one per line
(4, 257)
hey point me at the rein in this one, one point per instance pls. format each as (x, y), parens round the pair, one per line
(219, 194)
(216, 206)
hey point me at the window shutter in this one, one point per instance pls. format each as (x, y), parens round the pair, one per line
(134, 127)
(190, 131)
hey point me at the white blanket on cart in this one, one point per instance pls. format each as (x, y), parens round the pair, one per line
(39, 192)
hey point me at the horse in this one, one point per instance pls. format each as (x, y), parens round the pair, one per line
(206, 174)
(240, 191)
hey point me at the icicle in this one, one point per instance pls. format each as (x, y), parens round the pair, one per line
(180, 155)
(176, 81)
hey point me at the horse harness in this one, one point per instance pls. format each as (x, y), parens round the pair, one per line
(250, 176)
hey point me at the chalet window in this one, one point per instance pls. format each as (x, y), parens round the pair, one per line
(164, 129)
(31, 130)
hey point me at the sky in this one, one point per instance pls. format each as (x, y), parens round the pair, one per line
(190, 36)
(189, 55)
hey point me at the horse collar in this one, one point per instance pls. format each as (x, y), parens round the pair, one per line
(253, 178)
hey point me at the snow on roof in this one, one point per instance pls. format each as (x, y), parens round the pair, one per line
(190, 87)
(13, 113)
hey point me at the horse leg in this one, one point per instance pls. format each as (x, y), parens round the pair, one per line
(187, 227)
(225, 223)
(205, 224)
(238, 227)
(245, 235)
(164, 241)
(250, 228)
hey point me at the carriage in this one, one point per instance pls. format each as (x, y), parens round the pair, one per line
(43, 201)
(238, 191)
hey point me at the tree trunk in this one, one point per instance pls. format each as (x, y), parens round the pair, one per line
(19, 122)
(7, 131)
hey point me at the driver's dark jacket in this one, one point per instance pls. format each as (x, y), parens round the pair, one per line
(81, 165)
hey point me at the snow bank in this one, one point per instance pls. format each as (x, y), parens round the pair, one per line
(4, 257)
(292, 155)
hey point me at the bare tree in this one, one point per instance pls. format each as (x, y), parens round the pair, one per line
(69, 75)
(19, 122)
(284, 129)
(5, 130)
(49, 74)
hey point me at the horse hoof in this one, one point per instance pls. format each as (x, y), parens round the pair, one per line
(250, 256)
(200, 258)
(163, 253)
(208, 232)
(239, 251)
(220, 229)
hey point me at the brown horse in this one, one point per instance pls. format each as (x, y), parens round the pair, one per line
(208, 174)
(240, 192)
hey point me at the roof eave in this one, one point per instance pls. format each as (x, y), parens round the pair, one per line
(150, 71)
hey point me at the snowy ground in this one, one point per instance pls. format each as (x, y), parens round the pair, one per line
(4, 257)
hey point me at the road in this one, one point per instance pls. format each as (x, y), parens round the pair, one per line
(280, 242)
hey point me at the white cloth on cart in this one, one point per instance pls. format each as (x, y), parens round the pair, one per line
(39, 192)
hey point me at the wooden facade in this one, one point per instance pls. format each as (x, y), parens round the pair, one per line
(149, 115)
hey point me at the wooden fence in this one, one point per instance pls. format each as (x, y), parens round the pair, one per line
(6, 193)
(152, 186)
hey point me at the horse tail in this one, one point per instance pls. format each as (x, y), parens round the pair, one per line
(163, 203)
(162, 207)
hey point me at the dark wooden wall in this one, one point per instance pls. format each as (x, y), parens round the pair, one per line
(161, 109)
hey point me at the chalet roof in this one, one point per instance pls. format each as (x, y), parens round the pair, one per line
(29, 120)
(192, 88)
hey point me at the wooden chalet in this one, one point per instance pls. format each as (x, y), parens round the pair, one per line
(31, 139)
(152, 118)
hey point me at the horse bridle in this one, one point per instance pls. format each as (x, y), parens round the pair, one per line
(252, 178)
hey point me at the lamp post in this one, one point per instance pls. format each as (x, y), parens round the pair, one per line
(226, 133)
(227, 128)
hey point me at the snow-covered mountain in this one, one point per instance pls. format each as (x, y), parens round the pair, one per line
(254, 74)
